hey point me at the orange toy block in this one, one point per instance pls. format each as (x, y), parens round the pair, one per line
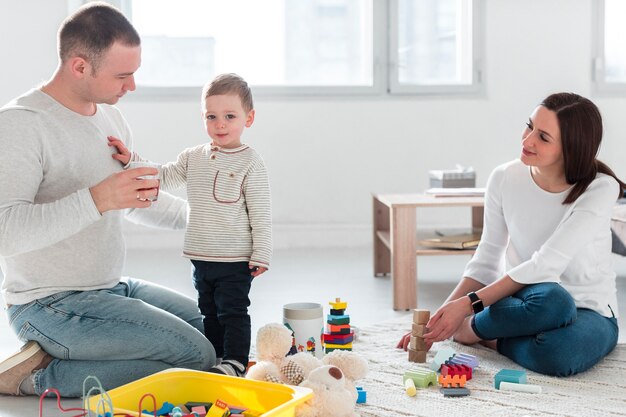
(452, 381)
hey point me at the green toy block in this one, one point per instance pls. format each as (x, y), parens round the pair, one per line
(422, 378)
(441, 357)
(510, 375)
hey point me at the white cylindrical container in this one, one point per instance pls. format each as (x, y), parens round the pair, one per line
(306, 321)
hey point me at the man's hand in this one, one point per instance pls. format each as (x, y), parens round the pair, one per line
(124, 190)
(255, 271)
(123, 154)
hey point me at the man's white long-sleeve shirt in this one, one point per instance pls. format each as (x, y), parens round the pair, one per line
(52, 237)
(531, 236)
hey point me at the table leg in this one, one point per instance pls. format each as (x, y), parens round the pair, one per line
(477, 218)
(382, 256)
(403, 257)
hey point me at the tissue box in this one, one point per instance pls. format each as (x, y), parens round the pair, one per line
(452, 178)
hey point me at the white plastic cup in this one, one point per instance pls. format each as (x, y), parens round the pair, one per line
(144, 164)
(306, 321)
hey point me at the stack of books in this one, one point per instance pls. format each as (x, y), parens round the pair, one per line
(456, 241)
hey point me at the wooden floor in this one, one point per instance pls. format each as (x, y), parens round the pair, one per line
(309, 275)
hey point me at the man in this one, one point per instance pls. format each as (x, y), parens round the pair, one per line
(62, 202)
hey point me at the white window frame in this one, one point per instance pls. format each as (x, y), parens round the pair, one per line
(384, 66)
(476, 86)
(600, 86)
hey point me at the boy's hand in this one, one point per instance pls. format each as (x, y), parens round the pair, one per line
(123, 154)
(255, 271)
(404, 342)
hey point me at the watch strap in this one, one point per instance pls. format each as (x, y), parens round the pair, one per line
(477, 303)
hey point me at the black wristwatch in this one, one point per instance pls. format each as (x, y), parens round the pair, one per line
(477, 303)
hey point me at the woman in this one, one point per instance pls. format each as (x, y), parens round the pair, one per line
(552, 308)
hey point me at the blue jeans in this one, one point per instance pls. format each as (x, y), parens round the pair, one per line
(541, 329)
(223, 289)
(119, 335)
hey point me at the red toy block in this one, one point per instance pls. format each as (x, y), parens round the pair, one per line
(338, 339)
(453, 369)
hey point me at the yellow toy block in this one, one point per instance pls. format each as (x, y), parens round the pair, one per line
(336, 346)
(338, 304)
(218, 409)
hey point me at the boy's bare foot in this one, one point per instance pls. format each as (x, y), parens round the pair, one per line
(465, 334)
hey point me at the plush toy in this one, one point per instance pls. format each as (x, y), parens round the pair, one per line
(331, 396)
(274, 341)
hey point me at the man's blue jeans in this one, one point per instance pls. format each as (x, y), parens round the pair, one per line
(541, 329)
(119, 335)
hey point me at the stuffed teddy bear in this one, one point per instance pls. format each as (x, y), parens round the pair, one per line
(331, 395)
(274, 341)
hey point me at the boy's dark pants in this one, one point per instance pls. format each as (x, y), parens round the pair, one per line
(223, 289)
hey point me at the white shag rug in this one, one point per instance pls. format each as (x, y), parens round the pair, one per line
(601, 391)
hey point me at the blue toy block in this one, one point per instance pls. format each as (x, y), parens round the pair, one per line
(441, 357)
(362, 395)
(510, 375)
(464, 359)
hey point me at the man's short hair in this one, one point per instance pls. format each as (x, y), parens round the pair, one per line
(229, 84)
(91, 30)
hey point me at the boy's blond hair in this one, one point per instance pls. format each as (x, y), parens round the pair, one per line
(229, 84)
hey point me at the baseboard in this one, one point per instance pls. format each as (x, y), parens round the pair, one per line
(284, 236)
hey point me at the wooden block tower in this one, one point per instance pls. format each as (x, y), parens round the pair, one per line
(338, 335)
(417, 345)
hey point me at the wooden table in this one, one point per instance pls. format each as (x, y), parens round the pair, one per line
(395, 239)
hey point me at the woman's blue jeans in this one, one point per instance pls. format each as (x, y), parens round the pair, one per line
(118, 335)
(541, 329)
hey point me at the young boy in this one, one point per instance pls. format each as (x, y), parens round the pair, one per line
(228, 237)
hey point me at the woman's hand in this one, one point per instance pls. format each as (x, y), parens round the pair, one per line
(447, 319)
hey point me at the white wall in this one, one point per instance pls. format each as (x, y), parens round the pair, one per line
(326, 156)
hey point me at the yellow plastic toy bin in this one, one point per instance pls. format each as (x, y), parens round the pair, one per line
(179, 386)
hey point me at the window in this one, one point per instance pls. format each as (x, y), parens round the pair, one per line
(610, 44)
(432, 46)
(300, 47)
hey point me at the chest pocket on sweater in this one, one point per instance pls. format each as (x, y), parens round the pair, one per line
(228, 186)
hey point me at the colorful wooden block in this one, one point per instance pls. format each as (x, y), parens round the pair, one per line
(441, 357)
(465, 359)
(454, 392)
(452, 381)
(453, 369)
(338, 339)
(338, 304)
(510, 375)
(218, 409)
(421, 316)
(334, 312)
(338, 329)
(334, 346)
(328, 350)
(361, 395)
(338, 320)
(421, 377)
